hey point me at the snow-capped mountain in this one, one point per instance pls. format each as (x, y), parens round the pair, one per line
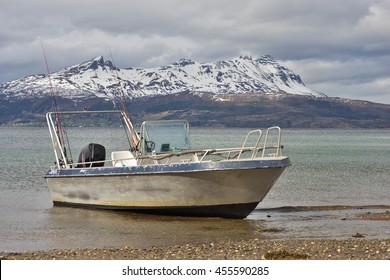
(100, 78)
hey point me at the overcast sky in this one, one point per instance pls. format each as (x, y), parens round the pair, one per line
(340, 48)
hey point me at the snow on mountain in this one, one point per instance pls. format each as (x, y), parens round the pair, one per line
(100, 78)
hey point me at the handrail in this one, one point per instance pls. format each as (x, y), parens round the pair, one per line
(84, 112)
(225, 153)
(55, 141)
(277, 146)
(246, 139)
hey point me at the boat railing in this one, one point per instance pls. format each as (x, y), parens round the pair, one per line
(271, 147)
(255, 145)
(62, 153)
(89, 164)
(202, 155)
(254, 149)
(276, 132)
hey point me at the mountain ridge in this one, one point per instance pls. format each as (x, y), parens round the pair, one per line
(97, 77)
(239, 92)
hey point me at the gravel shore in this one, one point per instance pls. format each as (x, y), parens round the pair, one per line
(350, 249)
(355, 247)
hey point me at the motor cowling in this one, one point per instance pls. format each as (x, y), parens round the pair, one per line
(91, 155)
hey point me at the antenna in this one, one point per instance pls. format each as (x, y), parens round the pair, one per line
(134, 136)
(61, 134)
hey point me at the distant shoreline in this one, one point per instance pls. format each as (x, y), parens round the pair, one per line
(205, 110)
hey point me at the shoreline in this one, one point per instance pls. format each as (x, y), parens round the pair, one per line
(357, 248)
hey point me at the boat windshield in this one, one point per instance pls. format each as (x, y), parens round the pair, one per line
(164, 136)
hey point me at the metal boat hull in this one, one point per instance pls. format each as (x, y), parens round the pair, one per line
(230, 189)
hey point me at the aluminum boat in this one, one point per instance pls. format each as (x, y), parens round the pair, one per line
(160, 172)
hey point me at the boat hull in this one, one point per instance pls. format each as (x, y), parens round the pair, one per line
(230, 189)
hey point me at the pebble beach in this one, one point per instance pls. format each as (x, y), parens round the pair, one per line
(356, 247)
(252, 249)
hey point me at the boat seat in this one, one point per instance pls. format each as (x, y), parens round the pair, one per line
(123, 158)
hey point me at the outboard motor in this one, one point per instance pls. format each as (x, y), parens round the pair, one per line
(91, 153)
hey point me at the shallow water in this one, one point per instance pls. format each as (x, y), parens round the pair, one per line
(330, 222)
(330, 168)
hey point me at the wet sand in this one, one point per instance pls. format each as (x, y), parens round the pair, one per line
(355, 247)
(382, 216)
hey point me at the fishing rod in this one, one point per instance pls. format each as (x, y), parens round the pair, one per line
(60, 132)
(134, 136)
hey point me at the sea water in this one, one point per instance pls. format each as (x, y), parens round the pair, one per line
(335, 175)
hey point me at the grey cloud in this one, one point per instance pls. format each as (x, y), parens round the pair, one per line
(327, 42)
